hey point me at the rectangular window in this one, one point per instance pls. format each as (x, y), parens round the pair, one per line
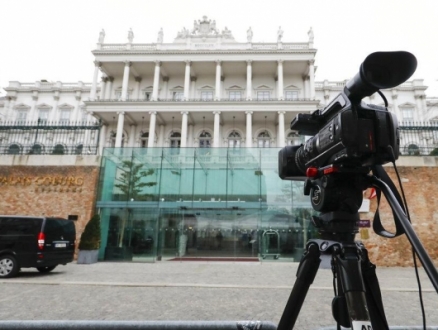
(65, 116)
(235, 95)
(408, 114)
(147, 96)
(291, 95)
(178, 96)
(43, 115)
(263, 95)
(22, 115)
(207, 95)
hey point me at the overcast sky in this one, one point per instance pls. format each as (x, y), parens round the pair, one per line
(52, 40)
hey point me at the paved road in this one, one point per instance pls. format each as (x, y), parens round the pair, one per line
(196, 291)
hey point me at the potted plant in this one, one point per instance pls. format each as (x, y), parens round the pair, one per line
(90, 242)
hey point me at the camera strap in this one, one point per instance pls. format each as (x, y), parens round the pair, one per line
(378, 228)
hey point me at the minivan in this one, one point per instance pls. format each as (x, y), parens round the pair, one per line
(39, 242)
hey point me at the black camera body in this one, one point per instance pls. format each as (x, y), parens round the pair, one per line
(348, 131)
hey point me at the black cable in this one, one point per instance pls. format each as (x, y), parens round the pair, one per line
(384, 99)
(414, 256)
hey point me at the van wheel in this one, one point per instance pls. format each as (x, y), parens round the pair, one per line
(8, 266)
(46, 269)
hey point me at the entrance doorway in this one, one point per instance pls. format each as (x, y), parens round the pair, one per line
(204, 233)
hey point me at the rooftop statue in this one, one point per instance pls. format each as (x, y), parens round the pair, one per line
(160, 36)
(249, 35)
(130, 35)
(101, 36)
(279, 34)
(310, 33)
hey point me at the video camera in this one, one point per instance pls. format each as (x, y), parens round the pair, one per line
(348, 131)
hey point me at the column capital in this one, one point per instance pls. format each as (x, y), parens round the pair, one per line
(249, 112)
(306, 77)
(166, 79)
(249, 62)
(184, 112)
(127, 63)
(35, 97)
(281, 112)
(104, 79)
(78, 97)
(311, 62)
(193, 78)
(188, 62)
(138, 79)
(121, 113)
(222, 78)
(280, 61)
(157, 63)
(56, 97)
(97, 64)
(133, 125)
(216, 112)
(111, 79)
(152, 113)
(218, 62)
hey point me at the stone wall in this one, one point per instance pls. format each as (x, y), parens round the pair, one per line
(419, 184)
(49, 191)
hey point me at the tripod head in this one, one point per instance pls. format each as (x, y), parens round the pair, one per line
(336, 192)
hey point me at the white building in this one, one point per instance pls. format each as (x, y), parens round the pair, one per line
(204, 89)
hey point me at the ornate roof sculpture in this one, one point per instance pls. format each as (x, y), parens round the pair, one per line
(204, 30)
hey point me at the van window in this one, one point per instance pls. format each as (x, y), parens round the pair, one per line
(19, 226)
(55, 228)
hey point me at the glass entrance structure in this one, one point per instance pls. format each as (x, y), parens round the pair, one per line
(183, 203)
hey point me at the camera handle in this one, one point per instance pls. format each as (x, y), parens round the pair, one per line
(358, 303)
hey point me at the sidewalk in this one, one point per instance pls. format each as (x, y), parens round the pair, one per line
(196, 291)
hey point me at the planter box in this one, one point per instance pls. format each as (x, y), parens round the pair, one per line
(118, 253)
(87, 256)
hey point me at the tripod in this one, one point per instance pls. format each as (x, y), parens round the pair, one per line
(337, 194)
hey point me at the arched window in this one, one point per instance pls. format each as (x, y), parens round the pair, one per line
(264, 140)
(294, 139)
(205, 140)
(412, 150)
(175, 140)
(79, 148)
(144, 139)
(59, 149)
(234, 140)
(14, 149)
(37, 149)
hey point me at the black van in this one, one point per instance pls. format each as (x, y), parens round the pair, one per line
(39, 242)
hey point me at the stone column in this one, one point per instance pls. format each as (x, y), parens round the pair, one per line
(132, 135)
(418, 113)
(94, 85)
(425, 115)
(103, 87)
(137, 87)
(77, 116)
(156, 81)
(190, 136)
(152, 123)
(119, 134)
(193, 92)
(109, 91)
(218, 81)
(161, 136)
(312, 79)
(216, 135)
(33, 110)
(53, 114)
(281, 129)
(307, 87)
(248, 80)
(125, 81)
(187, 82)
(280, 91)
(249, 129)
(184, 129)
(10, 111)
(165, 87)
(102, 139)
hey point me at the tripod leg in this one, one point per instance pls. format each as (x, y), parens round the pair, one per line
(353, 287)
(306, 273)
(373, 293)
